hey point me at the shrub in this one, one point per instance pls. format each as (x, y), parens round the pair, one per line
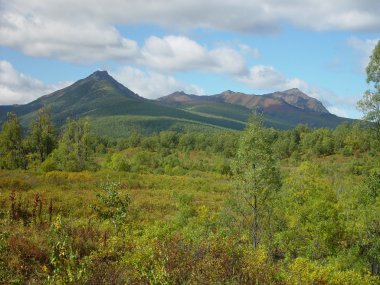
(14, 183)
(302, 271)
(111, 205)
(119, 162)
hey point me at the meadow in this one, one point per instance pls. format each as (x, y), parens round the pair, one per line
(172, 208)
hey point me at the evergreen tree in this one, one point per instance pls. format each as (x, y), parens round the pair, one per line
(12, 155)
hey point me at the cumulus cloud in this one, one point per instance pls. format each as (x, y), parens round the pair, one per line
(178, 53)
(268, 78)
(18, 88)
(153, 85)
(69, 40)
(81, 31)
(81, 40)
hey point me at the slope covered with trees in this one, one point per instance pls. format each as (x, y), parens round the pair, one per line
(116, 111)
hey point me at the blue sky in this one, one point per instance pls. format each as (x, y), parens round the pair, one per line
(156, 47)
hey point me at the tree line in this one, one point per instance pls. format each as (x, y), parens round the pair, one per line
(75, 148)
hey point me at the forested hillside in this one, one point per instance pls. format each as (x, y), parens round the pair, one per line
(116, 111)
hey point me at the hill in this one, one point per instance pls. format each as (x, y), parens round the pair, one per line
(116, 111)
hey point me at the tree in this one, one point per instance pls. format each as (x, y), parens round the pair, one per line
(74, 151)
(12, 153)
(42, 138)
(370, 103)
(257, 177)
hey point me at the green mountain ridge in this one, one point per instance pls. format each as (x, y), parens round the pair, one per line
(116, 111)
(281, 110)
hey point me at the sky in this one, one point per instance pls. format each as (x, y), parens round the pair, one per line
(156, 47)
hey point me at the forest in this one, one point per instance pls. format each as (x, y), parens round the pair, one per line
(262, 206)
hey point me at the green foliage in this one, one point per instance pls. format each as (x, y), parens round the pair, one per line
(320, 142)
(111, 205)
(193, 218)
(65, 265)
(310, 213)
(185, 207)
(12, 152)
(42, 138)
(5, 271)
(370, 103)
(302, 271)
(74, 151)
(119, 162)
(257, 176)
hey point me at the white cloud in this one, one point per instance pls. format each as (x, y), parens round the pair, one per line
(337, 111)
(69, 40)
(178, 53)
(18, 88)
(250, 51)
(82, 31)
(153, 85)
(255, 16)
(268, 78)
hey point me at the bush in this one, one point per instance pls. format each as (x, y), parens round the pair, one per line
(302, 271)
(49, 165)
(111, 205)
(14, 184)
(119, 162)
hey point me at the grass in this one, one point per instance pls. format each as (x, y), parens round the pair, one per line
(176, 229)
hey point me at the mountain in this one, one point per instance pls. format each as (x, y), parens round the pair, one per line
(115, 110)
(97, 92)
(282, 110)
(299, 99)
(293, 97)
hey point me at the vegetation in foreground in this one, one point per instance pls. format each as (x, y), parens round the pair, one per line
(189, 208)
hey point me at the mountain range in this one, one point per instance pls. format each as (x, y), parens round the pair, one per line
(115, 110)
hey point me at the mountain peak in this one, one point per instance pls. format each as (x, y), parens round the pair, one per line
(296, 92)
(299, 99)
(292, 90)
(229, 92)
(233, 93)
(178, 93)
(178, 97)
(100, 75)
